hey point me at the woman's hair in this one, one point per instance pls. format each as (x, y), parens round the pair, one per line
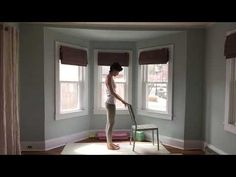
(115, 67)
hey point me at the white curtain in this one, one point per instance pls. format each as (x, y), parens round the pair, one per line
(9, 109)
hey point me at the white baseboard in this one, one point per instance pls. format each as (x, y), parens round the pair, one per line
(61, 141)
(215, 149)
(193, 144)
(97, 130)
(204, 146)
(173, 142)
(57, 142)
(32, 145)
(177, 143)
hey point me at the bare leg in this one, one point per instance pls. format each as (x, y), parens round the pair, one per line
(109, 126)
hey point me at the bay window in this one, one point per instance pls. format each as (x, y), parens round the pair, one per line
(70, 81)
(103, 60)
(155, 82)
(230, 84)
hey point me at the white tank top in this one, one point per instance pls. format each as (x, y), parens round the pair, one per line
(110, 97)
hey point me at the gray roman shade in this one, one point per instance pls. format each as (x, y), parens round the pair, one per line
(157, 56)
(73, 56)
(230, 46)
(108, 58)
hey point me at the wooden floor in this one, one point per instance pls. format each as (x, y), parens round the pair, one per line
(57, 151)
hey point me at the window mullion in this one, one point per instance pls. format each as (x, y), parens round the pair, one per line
(145, 84)
(100, 91)
(234, 90)
(231, 93)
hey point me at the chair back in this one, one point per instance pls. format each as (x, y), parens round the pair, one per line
(131, 113)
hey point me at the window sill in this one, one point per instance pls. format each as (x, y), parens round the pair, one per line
(154, 114)
(118, 112)
(72, 115)
(230, 128)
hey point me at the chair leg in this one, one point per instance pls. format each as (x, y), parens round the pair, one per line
(134, 137)
(131, 136)
(153, 137)
(157, 139)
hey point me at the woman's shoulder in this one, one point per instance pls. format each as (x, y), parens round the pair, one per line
(109, 77)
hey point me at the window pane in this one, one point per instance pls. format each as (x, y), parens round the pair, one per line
(156, 96)
(69, 72)
(103, 94)
(105, 72)
(69, 96)
(157, 73)
(120, 90)
(119, 78)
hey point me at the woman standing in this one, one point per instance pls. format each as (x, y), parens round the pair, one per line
(115, 68)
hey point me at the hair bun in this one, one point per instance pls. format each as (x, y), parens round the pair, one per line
(116, 67)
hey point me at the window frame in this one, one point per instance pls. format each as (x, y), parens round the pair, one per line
(141, 86)
(84, 82)
(230, 74)
(97, 82)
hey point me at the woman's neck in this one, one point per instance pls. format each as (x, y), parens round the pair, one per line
(110, 74)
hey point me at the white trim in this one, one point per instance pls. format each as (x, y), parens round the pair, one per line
(79, 113)
(154, 114)
(210, 24)
(231, 32)
(84, 110)
(215, 149)
(140, 96)
(169, 141)
(97, 110)
(32, 145)
(193, 144)
(53, 143)
(98, 130)
(204, 146)
(173, 142)
(177, 143)
(61, 141)
(229, 95)
(57, 142)
(118, 112)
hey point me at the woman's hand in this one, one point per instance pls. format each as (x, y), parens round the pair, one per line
(125, 103)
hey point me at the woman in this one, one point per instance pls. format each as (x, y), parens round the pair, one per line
(115, 68)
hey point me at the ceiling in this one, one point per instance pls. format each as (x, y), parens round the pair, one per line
(130, 25)
(113, 35)
(121, 31)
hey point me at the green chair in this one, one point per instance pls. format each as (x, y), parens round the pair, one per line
(142, 127)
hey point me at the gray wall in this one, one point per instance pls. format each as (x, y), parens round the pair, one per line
(194, 85)
(37, 86)
(37, 83)
(15, 24)
(31, 79)
(214, 98)
(57, 128)
(99, 121)
(172, 128)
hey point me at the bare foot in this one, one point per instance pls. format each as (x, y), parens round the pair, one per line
(113, 147)
(116, 145)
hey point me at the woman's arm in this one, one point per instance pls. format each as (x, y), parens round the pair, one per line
(112, 91)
